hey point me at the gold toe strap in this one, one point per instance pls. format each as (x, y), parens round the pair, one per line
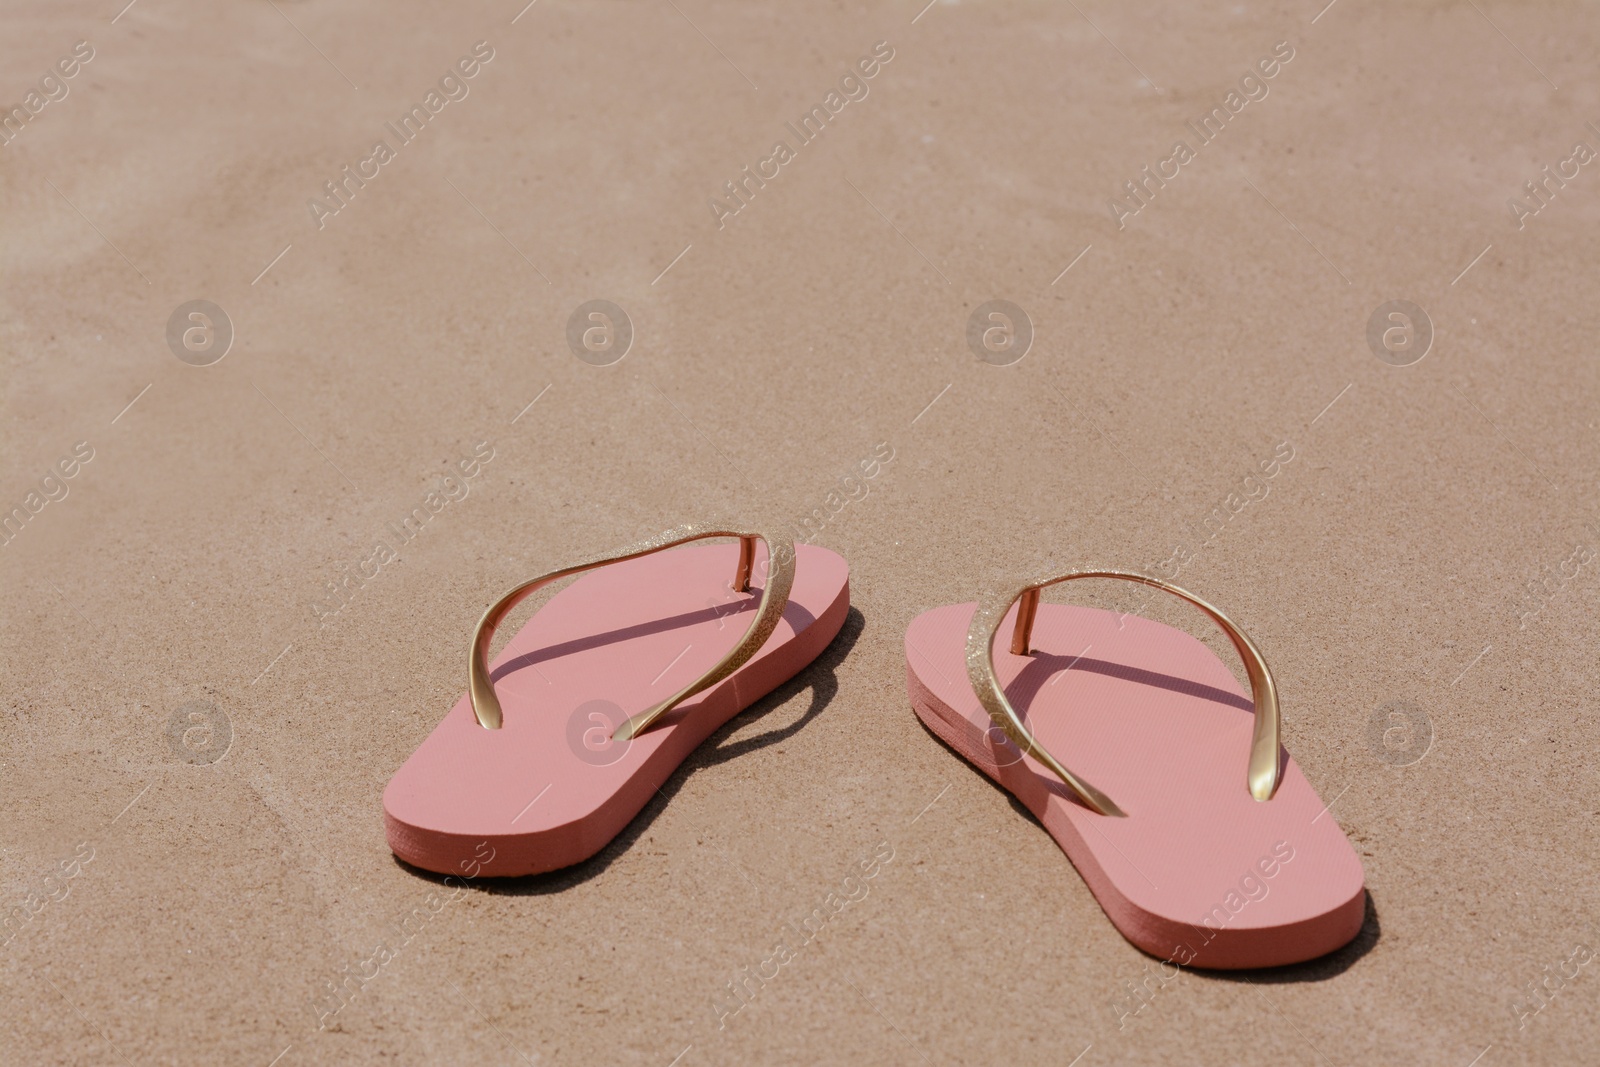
(774, 595)
(1263, 771)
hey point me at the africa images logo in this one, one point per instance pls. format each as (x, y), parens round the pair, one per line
(52, 88)
(452, 87)
(852, 88)
(1141, 189)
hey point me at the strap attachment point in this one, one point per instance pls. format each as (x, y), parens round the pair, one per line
(1264, 769)
(774, 595)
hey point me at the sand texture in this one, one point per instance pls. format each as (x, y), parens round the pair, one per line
(1331, 362)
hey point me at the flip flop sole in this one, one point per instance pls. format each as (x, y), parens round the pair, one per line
(551, 787)
(1198, 872)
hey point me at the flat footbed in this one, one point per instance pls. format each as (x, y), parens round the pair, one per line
(551, 788)
(1198, 872)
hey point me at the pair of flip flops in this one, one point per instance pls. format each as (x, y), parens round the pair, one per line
(1199, 836)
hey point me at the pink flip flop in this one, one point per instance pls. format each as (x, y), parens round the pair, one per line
(1197, 854)
(603, 693)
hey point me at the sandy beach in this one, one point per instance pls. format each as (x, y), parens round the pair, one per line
(324, 323)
